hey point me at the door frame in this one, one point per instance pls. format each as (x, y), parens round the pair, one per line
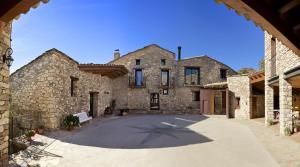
(158, 104)
(93, 104)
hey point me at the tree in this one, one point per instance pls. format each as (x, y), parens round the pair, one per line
(246, 71)
(262, 64)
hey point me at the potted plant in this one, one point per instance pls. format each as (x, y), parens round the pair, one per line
(71, 121)
(296, 128)
(40, 129)
(287, 131)
(29, 134)
(270, 122)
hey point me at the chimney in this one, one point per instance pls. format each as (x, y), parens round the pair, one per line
(117, 54)
(179, 53)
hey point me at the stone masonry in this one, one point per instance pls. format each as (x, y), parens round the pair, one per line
(42, 89)
(179, 97)
(285, 60)
(5, 33)
(240, 86)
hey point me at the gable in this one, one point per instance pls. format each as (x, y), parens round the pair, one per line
(144, 49)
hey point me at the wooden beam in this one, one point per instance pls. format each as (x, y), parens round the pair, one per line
(289, 6)
(20, 7)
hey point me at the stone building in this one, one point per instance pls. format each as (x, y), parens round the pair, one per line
(54, 85)
(282, 83)
(248, 99)
(5, 32)
(158, 82)
(10, 10)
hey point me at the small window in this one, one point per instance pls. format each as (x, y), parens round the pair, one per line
(163, 62)
(196, 96)
(165, 77)
(165, 91)
(138, 62)
(138, 77)
(192, 75)
(237, 101)
(223, 73)
(73, 86)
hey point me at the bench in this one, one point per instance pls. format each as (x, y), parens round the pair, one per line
(83, 117)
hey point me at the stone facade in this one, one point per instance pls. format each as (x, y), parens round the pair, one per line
(179, 97)
(285, 60)
(42, 88)
(240, 87)
(5, 33)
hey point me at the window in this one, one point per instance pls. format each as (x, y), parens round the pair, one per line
(273, 57)
(73, 86)
(165, 77)
(138, 62)
(138, 77)
(192, 76)
(223, 73)
(273, 47)
(163, 62)
(237, 100)
(165, 91)
(196, 96)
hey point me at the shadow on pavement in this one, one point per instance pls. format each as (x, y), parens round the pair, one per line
(137, 132)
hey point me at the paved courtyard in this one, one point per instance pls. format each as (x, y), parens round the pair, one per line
(156, 141)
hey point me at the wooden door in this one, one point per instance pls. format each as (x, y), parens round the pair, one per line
(154, 101)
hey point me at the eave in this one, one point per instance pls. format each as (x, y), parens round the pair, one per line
(12, 9)
(278, 18)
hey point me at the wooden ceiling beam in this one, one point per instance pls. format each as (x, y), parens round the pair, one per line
(17, 7)
(289, 6)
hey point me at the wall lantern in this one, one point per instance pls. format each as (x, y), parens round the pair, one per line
(7, 58)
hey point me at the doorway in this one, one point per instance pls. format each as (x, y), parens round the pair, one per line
(154, 101)
(93, 104)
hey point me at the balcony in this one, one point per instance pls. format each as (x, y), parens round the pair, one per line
(133, 84)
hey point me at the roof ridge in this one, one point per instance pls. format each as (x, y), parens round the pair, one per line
(137, 50)
(47, 52)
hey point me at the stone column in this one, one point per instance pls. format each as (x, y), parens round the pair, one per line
(285, 97)
(5, 31)
(269, 91)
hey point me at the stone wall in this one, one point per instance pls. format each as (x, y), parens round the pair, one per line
(5, 33)
(285, 60)
(240, 87)
(179, 98)
(43, 87)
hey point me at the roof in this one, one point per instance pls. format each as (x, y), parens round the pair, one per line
(148, 46)
(257, 77)
(280, 18)
(109, 70)
(51, 51)
(12, 9)
(207, 57)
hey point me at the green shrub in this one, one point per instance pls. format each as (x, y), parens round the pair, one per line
(71, 121)
(29, 133)
(270, 122)
(287, 131)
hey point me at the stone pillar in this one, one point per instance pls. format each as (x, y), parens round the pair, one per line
(269, 91)
(5, 31)
(285, 97)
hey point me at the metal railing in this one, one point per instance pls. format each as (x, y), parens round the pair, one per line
(132, 83)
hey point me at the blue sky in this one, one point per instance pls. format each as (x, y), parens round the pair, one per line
(90, 30)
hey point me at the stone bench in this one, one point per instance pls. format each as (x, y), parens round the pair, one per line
(83, 117)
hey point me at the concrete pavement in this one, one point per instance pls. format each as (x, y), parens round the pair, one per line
(157, 141)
